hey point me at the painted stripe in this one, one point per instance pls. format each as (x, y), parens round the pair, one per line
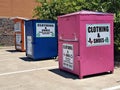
(8, 59)
(5, 60)
(113, 88)
(24, 71)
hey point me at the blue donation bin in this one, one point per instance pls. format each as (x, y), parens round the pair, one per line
(41, 39)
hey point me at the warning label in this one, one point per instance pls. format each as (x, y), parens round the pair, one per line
(29, 45)
(97, 34)
(68, 56)
(17, 27)
(18, 39)
(45, 30)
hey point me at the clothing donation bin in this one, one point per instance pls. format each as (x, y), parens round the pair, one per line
(19, 29)
(41, 39)
(86, 43)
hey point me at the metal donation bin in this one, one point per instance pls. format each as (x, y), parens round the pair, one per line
(41, 39)
(19, 33)
(86, 43)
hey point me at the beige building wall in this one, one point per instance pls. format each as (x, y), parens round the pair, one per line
(13, 8)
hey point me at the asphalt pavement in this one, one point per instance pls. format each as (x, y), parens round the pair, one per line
(17, 72)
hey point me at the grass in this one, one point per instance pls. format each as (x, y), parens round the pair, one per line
(1, 45)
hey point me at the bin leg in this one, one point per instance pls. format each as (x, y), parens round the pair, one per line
(80, 76)
(111, 72)
(54, 57)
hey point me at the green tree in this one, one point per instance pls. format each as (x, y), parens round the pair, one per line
(50, 9)
(110, 6)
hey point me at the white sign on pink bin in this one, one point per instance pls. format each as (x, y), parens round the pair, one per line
(97, 34)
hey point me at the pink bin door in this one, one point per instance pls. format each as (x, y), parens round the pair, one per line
(68, 44)
(68, 52)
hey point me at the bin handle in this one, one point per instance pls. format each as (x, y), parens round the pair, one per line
(69, 40)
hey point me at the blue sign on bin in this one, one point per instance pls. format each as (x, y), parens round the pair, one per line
(41, 39)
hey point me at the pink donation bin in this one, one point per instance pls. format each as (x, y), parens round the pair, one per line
(86, 43)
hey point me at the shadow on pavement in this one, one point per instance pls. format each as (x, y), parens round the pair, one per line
(26, 59)
(66, 74)
(117, 64)
(13, 51)
(30, 59)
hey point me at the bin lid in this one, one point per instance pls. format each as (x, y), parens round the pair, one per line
(22, 18)
(86, 12)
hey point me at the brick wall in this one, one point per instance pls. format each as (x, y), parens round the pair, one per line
(13, 8)
(6, 32)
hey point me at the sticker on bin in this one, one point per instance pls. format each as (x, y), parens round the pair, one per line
(68, 56)
(29, 45)
(45, 30)
(97, 34)
(18, 39)
(18, 47)
(17, 26)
